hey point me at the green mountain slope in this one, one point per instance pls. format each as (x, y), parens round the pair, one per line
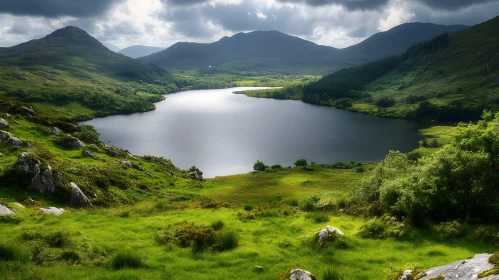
(275, 52)
(452, 77)
(71, 66)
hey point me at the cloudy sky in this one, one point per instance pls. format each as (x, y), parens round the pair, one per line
(337, 23)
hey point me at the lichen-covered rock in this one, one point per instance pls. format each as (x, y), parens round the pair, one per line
(113, 152)
(300, 274)
(195, 174)
(12, 140)
(4, 124)
(126, 163)
(87, 153)
(70, 142)
(28, 162)
(55, 131)
(28, 109)
(325, 234)
(4, 210)
(465, 269)
(44, 181)
(52, 211)
(78, 198)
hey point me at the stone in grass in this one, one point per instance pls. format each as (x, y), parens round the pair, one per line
(27, 162)
(70, 142)
(5, 211)
(324, 234)
(258, 268)
(12, 140)
(52, 211)
(78, 198)
(4, 124)
(87, 153)
(300, 274)
(126, 163)
(55, 131)
(44, 181)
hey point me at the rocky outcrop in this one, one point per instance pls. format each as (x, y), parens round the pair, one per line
(112, 152)
(4, 124)
(128, 154)
(70, 142)
(78, 198)
(28, 109)
(28, 162)
(55, 131)
(4, 210)
(126, 163)
(44, 181)
(465, 269)
(325, 234)
(195, 174)
(300, 274)
(12, 140)
(87, 153)
(52, 211)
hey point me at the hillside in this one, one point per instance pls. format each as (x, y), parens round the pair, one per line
(451, 77)
(139, 51)
(70, 66)
(274, 52)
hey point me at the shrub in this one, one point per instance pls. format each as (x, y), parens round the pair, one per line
(385, 102)
(87, 133)
(301, 162)
(277, 167)
(309, 204)
(248, 207)
(13, 253)
(226, 241)
(126, 259)
(70, 256)
(192, 234)
(217, 225)
(451, 229)
(58, 239)
(259, 166)
(318, 217)
(375, 229)
(332, 274)
(11, 219)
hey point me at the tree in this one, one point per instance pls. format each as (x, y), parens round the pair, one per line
(259, 166)
(301, 162)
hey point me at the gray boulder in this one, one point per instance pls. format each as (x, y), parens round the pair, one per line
(5, 211)
(55, 131)
(300, 274)
(328, 232)
(27, 162)
(465, 269)
(12, 140)
(44, 181)
(126, 163)
(128, 154)
(87, 153)
(52, 211)
(78, 198)
(70, 142)
(113, 152)
(4, 124)
(28, 109)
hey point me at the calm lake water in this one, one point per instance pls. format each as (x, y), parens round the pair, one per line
(224, 133)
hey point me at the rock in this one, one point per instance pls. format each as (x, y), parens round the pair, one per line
(70, 142)
(55, 131)
(195, 174)
(12, 140)
(329, 231)
(4, 124)
(113, 152)
(1, 154)
(300, 274)
(126, 163)
(5, 211)
(29, 110)
(140, 168)
(52, 211)
(27, 162)
(149, 174)
(465, 269)
(128, 154)
(29, 116)
(7, 115)
(78, 198)
(87, 153)
(405, 275)
(44, 181)
(18, 205)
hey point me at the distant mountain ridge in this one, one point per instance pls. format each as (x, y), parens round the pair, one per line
(139, 51)
(273, 51)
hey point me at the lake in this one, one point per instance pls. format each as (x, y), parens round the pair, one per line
(223, 133)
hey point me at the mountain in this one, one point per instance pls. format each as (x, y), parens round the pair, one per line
(139, 51)
(270, 51)
(69, 65)
(451, 77)
(111, 47)
(275, 52)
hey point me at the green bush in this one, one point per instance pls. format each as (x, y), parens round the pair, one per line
(87, 133)
(318, 217)
(70, 256)
(226, 241)
(10, 252)
(58, 239)
(332, 274)
(451, 229)
(309, 204)
(11, 219)
(375, 229)
(385, 102)
(301, 162)
(217, 225)
(259, 166)
(126, 259)
(248, 207)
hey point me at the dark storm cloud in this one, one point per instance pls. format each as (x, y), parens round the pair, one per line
(453, 4)
(56, 8)
(349, 4)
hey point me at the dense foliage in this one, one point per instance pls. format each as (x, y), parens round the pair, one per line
(459, 181)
